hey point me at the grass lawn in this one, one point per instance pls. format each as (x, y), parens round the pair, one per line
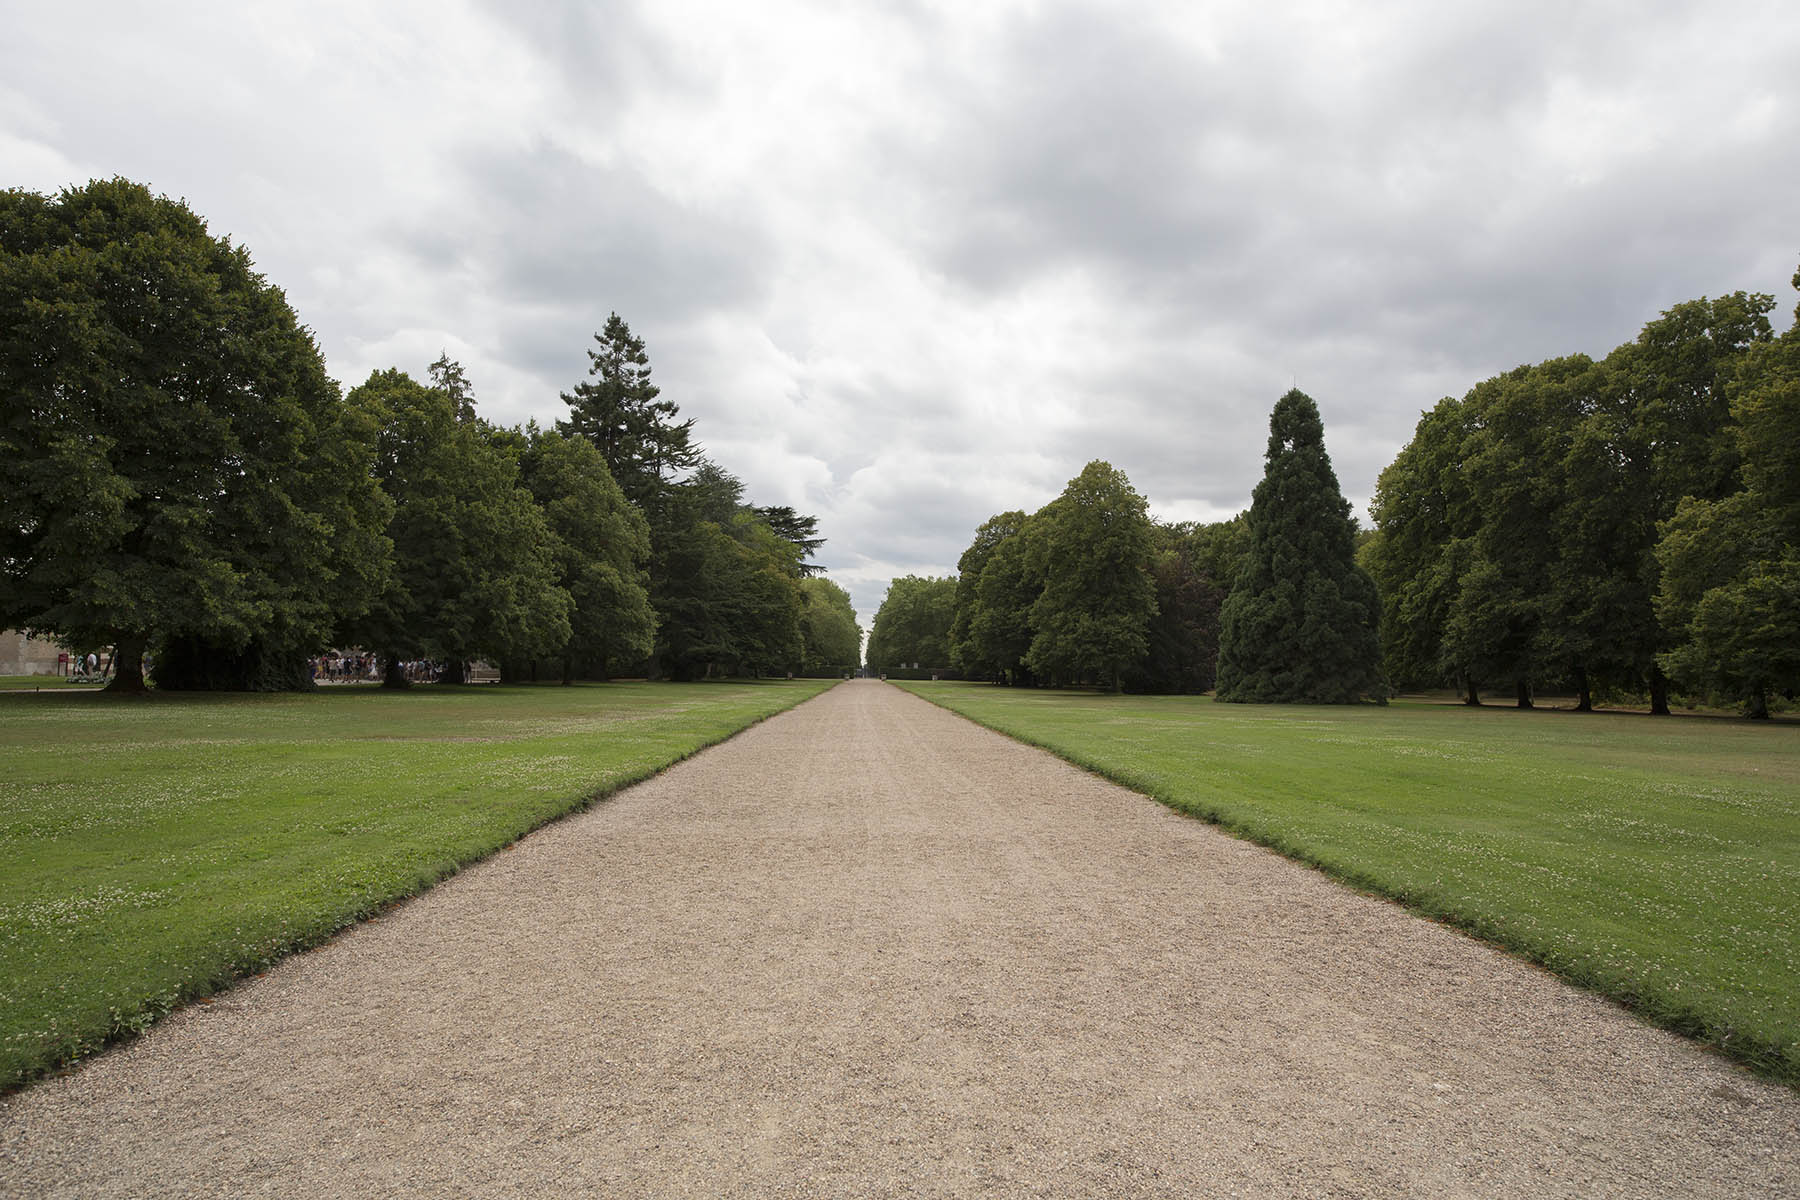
(152, 850)
(1656, 860)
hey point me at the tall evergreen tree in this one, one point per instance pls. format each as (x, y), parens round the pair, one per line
(1301, 625)
(618, 410)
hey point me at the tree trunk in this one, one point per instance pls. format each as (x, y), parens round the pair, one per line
(1659, 693)
(1759, 704)
(456, 671)
(1471, 697)
(1524, 692)
(128, 665)
(1585, 695)
(392, 676)
(568, 670)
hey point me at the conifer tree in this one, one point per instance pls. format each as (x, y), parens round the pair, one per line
(618, 410)
(1302, 621)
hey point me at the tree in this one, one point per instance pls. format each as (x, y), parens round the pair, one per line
(601, 548)
(965, 654)
(1182, 650)
(829, 632)
(475, 572)
(724, 585)
(1093, 554)
(912, 626)
(1000, 629)
(1662, 431)
(176, 464)
(1729, 591)
(618, 410)
(1503, 622)
(1217, 550)
(1425, 520)
(798, 530)
(1301, 625)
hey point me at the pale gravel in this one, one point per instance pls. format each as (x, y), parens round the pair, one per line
(869, 949)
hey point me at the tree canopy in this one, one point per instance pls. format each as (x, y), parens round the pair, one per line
(175, 461)
(475, 565)
(912, 626)
(1092, 556)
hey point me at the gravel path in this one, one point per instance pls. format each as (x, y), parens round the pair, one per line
(869, 949)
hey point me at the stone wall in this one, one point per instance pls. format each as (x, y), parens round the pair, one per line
(21, 655)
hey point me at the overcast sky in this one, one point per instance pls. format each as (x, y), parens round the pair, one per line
(912, 269)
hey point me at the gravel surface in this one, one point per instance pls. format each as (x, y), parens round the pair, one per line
(869, 949)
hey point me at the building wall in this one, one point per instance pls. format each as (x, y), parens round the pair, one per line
(21, 655)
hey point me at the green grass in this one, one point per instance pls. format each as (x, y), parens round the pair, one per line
(46, 683)
(152, 850)
(1656, 860)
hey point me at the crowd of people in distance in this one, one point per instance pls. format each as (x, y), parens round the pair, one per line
(343, 667)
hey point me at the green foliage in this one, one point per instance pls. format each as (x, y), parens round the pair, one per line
(1730, 569)
(475, 573)
(151, 856)
(1425, 520)
(965, 655)
(1005, 590)
(1091, 553)
(174, 459)
(1301, 623)
(798, 530)
(618, 410)
(1183, 637)
(1656, 862)
(600, 545)
(725, 587)
(831, 638)
(913, 624)
(1217, 551)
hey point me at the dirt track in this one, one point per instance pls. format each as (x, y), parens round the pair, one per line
(868, 949)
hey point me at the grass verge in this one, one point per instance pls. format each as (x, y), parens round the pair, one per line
(153, 850)
(1655, 860)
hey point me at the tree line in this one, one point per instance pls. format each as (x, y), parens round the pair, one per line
(1621, 527)
(1616, 528)
(1268, 606)
(182, 478)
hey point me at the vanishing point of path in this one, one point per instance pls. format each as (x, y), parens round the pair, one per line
(869, 949)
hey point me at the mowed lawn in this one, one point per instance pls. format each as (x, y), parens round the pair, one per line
(152, 850)
(1654, 859)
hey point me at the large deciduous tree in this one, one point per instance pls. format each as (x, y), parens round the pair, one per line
(1301, 625)
(832, 638)
(1092, 554)
(175, 462)
(601, 549)
(475, 572)
(1729, 594)
(726, 587)
(966, 655)
(912, 626)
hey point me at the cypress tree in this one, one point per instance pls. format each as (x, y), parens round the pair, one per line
(1302, 620)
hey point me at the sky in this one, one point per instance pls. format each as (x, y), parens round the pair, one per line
(909, 265)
